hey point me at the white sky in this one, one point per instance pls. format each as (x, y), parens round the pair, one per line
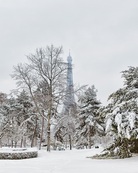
(101, 34)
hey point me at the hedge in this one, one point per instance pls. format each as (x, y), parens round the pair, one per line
(18, 154)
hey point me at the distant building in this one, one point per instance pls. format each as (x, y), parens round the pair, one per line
(69, 105)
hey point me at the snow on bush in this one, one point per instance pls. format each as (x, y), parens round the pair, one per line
(18, 153)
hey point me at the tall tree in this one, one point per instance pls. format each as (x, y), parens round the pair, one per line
(17, 114)
(88, 123)
(25, 117)
(46, 66)
(122, 116)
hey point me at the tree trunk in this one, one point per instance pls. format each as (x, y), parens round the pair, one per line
(21, 145)
(15, 145)
(70, 142)
(0, 143)
(34, 140)
(89, 138)
(12, 143)
(49, 114)
(42, 130)
(24, 141)
(48, 131)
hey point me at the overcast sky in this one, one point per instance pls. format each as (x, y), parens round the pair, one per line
(102, 36)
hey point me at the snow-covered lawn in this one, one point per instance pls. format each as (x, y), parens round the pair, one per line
(67, 161)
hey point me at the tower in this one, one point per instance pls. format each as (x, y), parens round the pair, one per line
(67, 125)
(69, 102)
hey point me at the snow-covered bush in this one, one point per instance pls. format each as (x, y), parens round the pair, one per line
(17, 153)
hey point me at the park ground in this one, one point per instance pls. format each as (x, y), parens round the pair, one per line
(70, 161)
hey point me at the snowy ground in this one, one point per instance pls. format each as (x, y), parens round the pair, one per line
(74, 161)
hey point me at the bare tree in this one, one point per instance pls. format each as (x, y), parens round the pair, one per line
(45, 66)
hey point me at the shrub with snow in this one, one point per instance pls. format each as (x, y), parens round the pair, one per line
(18, 153)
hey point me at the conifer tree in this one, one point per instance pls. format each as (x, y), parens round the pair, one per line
(122, 116)
(88, 122)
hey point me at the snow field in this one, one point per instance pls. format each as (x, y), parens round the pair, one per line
(67, 161)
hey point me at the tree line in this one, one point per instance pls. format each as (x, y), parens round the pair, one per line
(31, 115)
